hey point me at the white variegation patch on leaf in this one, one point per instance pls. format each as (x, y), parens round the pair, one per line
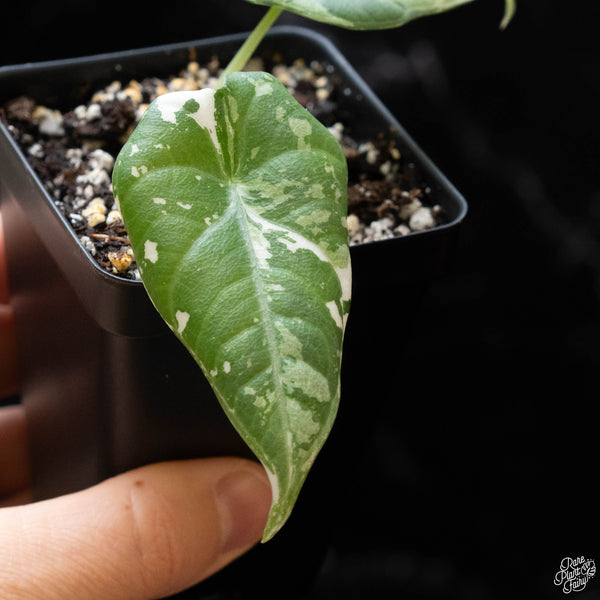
(364, 14)
(235, 202)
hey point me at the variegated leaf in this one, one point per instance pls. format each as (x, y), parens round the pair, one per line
(364, 14)
(235, 202)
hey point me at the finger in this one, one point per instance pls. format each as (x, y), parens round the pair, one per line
(14, 458)
(145, 534)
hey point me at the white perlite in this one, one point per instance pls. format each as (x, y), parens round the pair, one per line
(421, 219)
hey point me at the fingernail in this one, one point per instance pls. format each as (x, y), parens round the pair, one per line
(244, 499)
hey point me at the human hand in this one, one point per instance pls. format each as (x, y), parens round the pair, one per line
(148, 533)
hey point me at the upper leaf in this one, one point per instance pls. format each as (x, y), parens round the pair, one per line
(235, 202)
(363, 14)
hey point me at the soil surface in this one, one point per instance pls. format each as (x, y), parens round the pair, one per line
(73, 153)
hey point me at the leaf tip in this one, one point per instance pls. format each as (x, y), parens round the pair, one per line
(269, 534)
(275, 522)
(276, 518)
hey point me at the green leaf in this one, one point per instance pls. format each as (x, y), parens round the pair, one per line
(363, 14)
(235, 202)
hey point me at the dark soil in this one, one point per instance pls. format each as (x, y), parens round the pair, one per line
(73, 154)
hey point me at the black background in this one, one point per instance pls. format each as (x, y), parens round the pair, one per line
(482, 477)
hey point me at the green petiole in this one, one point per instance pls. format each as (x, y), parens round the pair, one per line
(243, 55)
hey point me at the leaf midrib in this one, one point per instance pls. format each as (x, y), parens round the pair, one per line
(265, 311)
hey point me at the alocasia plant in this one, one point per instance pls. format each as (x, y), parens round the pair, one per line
(235, 204)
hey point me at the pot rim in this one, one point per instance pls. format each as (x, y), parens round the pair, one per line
(279, 30)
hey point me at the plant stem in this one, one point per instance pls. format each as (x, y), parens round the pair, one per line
(243, 55)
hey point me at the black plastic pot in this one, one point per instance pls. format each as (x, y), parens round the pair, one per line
(105, 384)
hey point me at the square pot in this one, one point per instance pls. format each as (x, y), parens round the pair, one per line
(106, 386)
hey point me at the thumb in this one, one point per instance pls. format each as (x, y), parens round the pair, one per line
(145, 534)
